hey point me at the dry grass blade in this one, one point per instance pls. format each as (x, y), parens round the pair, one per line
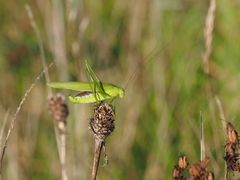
(221, 112)
(3, 127)
(223, 119)
(209, 25)
(202, 138)
(16, 114)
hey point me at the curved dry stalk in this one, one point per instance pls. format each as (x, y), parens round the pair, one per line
(3, 127)
(97, 152)
(16, 114)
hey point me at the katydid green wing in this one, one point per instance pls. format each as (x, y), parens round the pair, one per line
(110, 91)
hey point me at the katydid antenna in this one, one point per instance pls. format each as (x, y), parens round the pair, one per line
(148, 58)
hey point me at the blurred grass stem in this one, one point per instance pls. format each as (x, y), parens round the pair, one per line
(224, 124)
(3, 127)
(40, 44)
(61, 145)
(60, 138)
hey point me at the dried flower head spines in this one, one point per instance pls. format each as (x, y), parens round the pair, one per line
(199, 171)
(183, 162)
(102, 123)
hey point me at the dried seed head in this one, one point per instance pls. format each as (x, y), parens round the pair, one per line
(182, 162)
(229, 127)
(233, 136)
(232, 144)
(102, 123)
(59, 110)
(179, 168)
(206, 176)
(210, 176)
(232, 157)
(230, 148)
(195, 170)
(204, 163)
(177, 173)
(232, 133)
(198, 170)
(233, 162)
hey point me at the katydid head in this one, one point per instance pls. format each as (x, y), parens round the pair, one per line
(121, 92)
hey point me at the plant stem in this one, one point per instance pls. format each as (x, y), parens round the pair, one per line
(40, 44)
(97, 153)
(61, 146)
(63, 156)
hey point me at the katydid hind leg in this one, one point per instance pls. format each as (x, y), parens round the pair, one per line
(103, 90)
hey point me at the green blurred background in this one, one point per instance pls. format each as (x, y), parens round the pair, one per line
(161, 42)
